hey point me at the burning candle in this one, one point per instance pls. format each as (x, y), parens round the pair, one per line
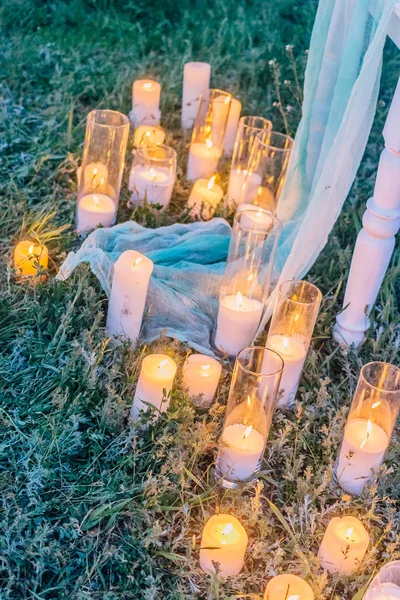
(156, 377)
(386, 583)
(203, 160)
(146, 102)
(204, 198)
(241, 452)
(153, 184)
(131, 277)
(257, 219)
(362, 452)
(240, 192)
(148, 135)
(95, 175)
(224, 541)
(93, 210)
(196, 79)
(232, 126)
(237, 322)
(294, 354)
(344, 545)
(29, 257)
(288, 587)
(201, 375)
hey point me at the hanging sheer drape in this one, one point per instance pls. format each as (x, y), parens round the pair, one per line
(340, 95)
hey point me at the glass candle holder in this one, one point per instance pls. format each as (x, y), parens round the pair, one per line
(249, 128)
(268, 164)
(386, 584)
(246, 282)
(290, 332)
(208, 134)
(369, 426)
(153, 175)
(251, 404)
(146, 102)
(102, 167)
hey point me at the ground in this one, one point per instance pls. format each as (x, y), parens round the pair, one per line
(90, 509)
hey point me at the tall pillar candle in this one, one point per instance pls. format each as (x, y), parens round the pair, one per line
(201, 376)
(232, 126)
(131, 278)
(196, 79)
(237, 322)
(157, 376)
(288, 587)
(224, 541)
(146, 102)
(344, 545)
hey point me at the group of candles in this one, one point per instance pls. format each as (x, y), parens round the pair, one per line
(263, 377)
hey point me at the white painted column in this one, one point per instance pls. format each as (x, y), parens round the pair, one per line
(376, 240)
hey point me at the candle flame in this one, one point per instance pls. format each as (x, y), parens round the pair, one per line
(285, 343)
(293, 597)
(369, 427)
(163, 363)
(152, 173)
(102, 181)
(259, 214)
(209, 143)
(95, 199)
(250, 277)
(30, 249)
(227, 529)
(248, 400)
(137, 260)
(95, 171)
(205, 370)
(205, 367)
(210, 184)
(247, 432)
(239, 300)
(148, 133)
(376, 404)
(349, 532)
(227, 100)
(147, 86)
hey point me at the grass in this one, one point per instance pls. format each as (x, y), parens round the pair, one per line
(90, 509)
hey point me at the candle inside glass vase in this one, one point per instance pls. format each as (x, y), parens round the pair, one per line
(153, 175)
(369, 426)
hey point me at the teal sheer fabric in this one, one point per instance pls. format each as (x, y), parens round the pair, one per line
(340, 95)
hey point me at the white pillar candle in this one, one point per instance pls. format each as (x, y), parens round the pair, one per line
(196, 79)
(148, 135)
(204, 198)
(156, 375)
(362, 452)
(288, 587)
(232, 126)
(95, 175)
(203, 160)
(155, 184)
(256, 218)
(293, 354)
(386, 591)
(241, 452)
(343, 546)
(201, 375)
(93, 210)
(237, 322)
(131, 278)
(146, 102)
(237, 191)
(224, 541)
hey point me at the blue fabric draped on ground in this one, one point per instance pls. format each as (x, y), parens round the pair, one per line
(189, 261)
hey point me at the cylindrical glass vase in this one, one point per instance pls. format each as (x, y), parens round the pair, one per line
(102, 167)
(386, 584)
(249, 128)
(251, 404)
(290, 332)
(153, 175)
(208, 134)
(268, 164)
(369, 426)
(247, 278)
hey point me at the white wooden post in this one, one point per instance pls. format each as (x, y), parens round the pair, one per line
(381, 221)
